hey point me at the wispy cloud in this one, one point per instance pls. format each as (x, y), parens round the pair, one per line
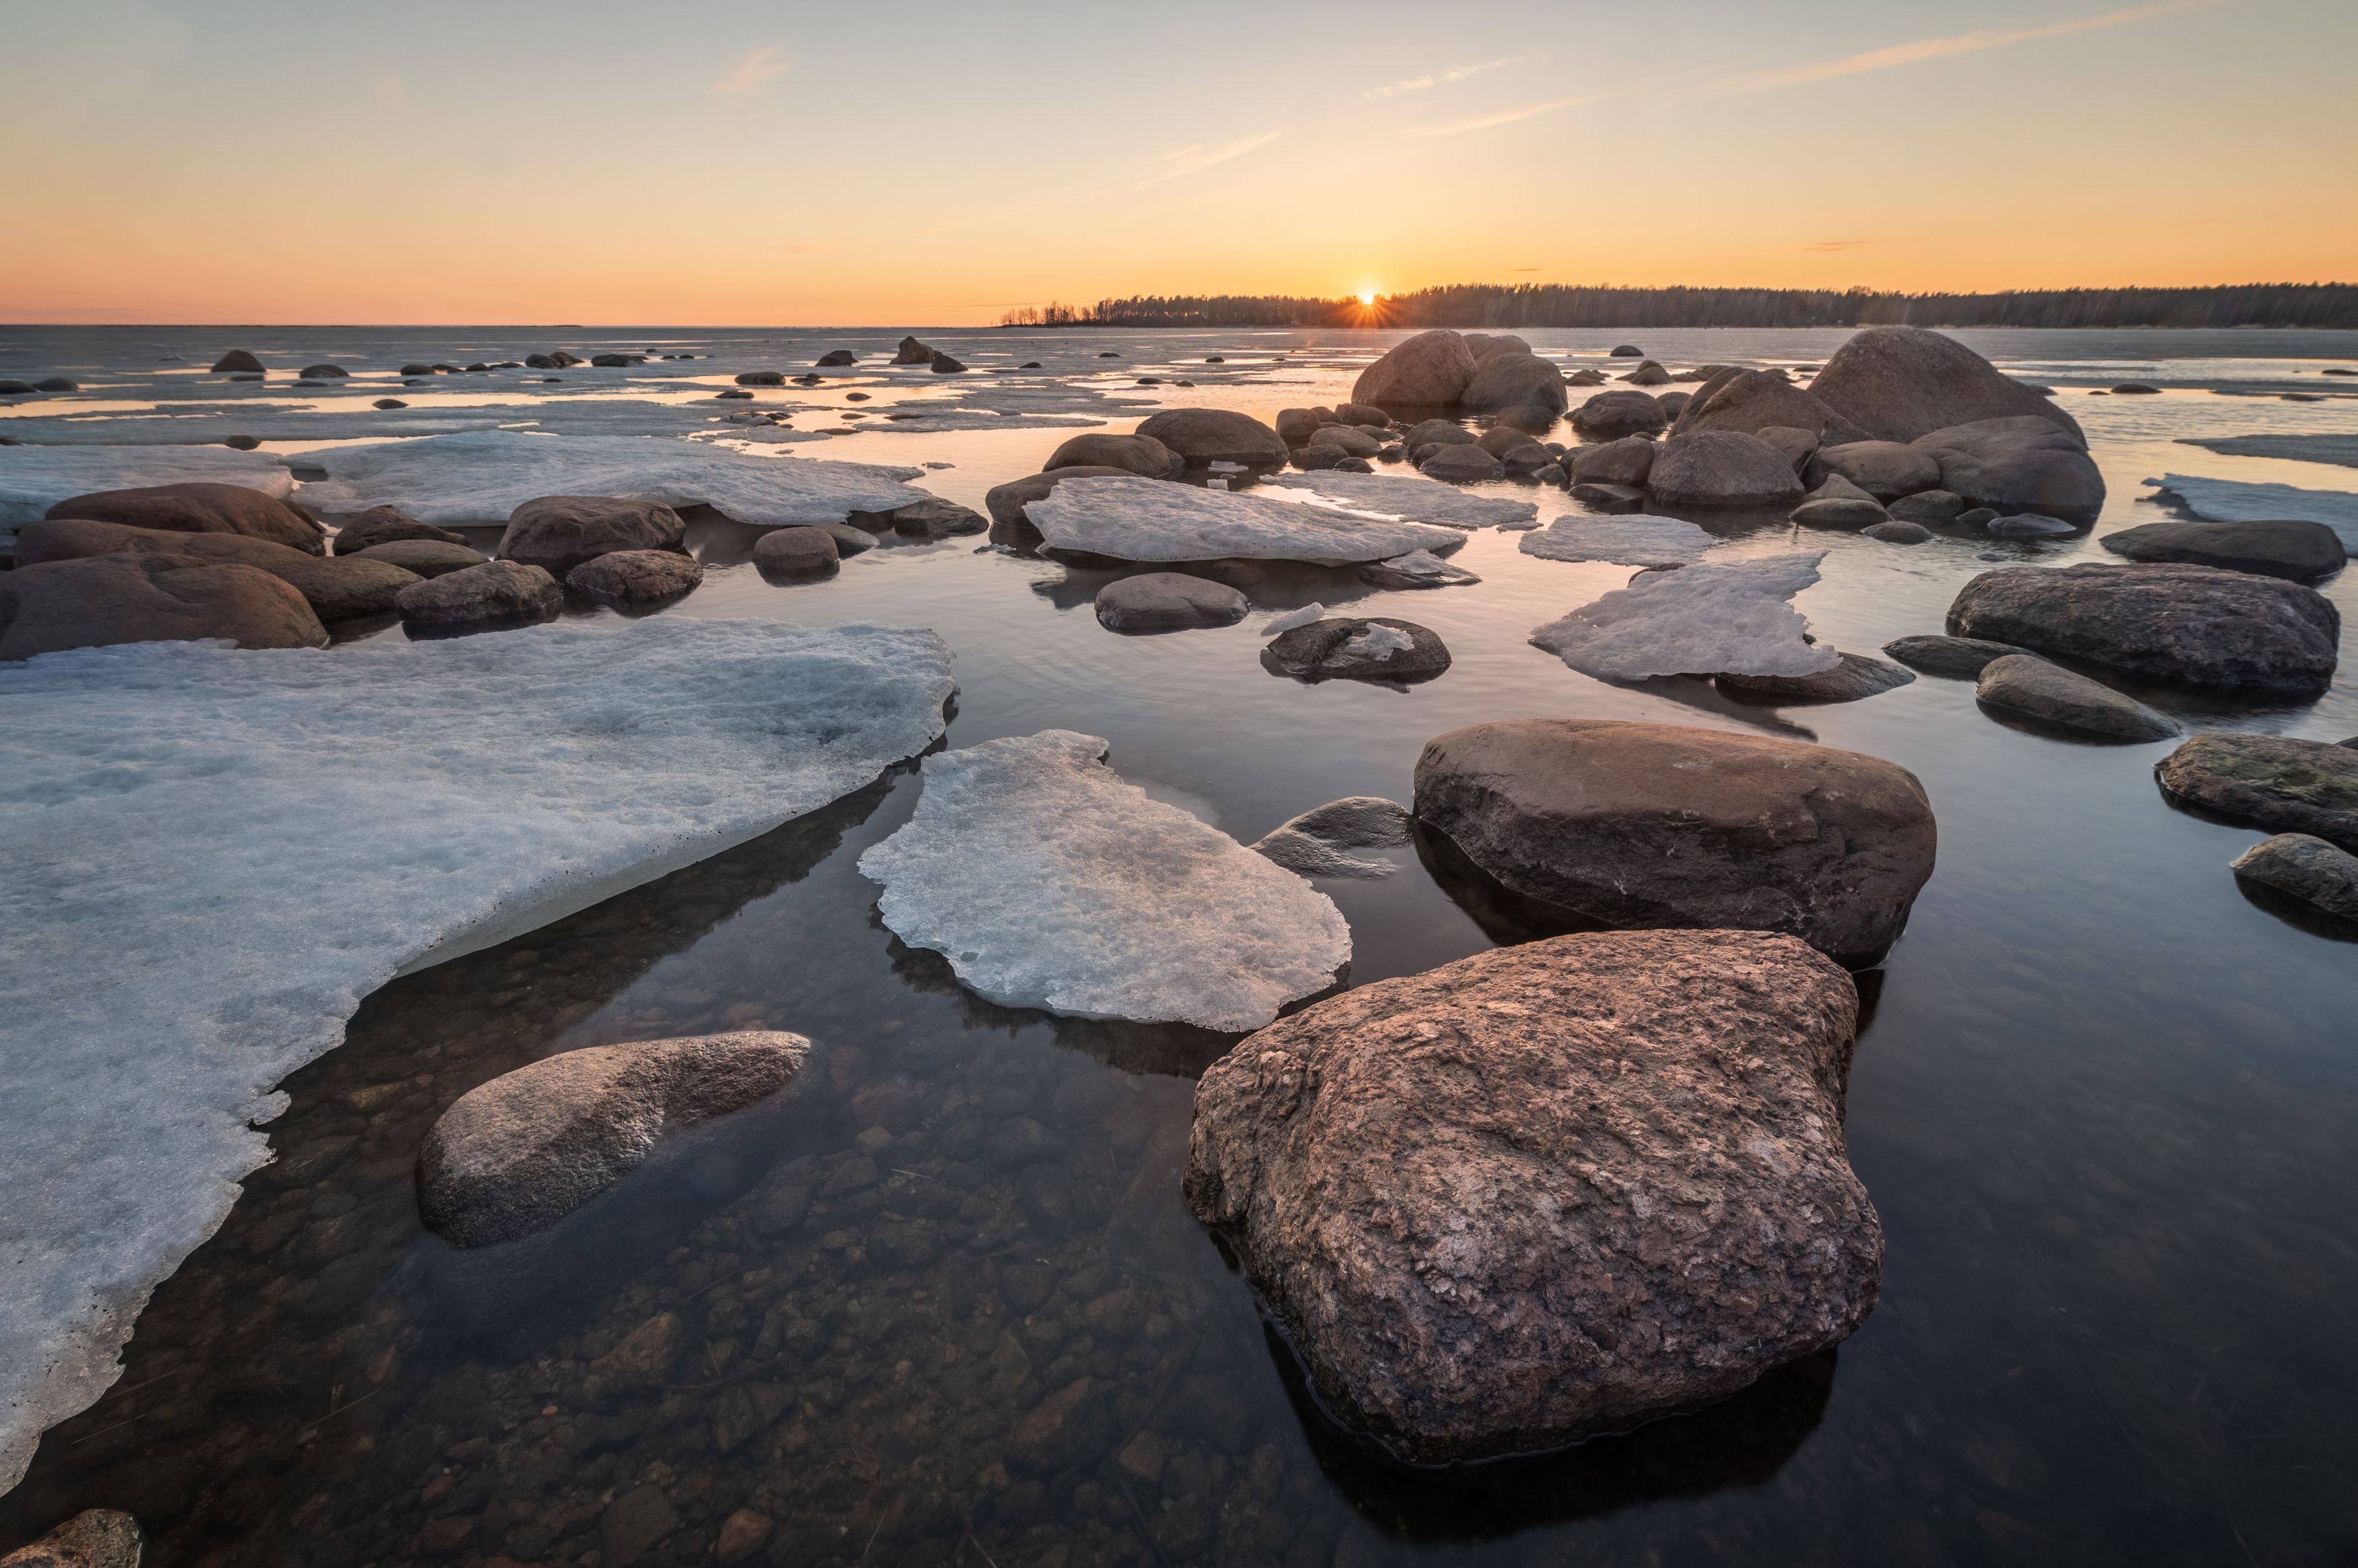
(1197, 158)
(1837, 244)
(1510, 116)
(1434, 79)
(1923, 49)
(749, 73)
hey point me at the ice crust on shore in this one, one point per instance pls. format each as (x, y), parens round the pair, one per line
(2240, 500)
(478, 478)
(1157, 520)
(1632, 541)
(215, 854)
(1729, 619)
(1048, 882)
(1416, 499)
(33, 479)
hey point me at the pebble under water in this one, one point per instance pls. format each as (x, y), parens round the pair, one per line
(2100, 1099)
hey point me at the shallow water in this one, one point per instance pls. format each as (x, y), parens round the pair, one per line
(2100, 1102)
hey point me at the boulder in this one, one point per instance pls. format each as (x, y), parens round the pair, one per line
(136, 597)
(624, 580)
(1856, 677)
(761, 378)
(343, 588)
(1312, 844)
(1898, 533)
(427, 558)
(324, 373)
(1611, 414)
(1898, 383)
(1202, 437)
(2194, 625)
(1168, 601)
(1538, 418)
(382, 524)
(338, 587)
(1646, 824)
(1008, 500)
(1296, 426)
(1349, 440)
(497, 593)
(1508, 380)
(1648, 374)
(515, 1155)
(2298, 866)
(1549, 1191)
(1750, 401)
(1487, 346)
(1962, 657)
(1722, 468)
(1928, 506)
(388, 402)
(1674, 404)
(1884, 469)
(1627, 352)
(1317, 455)
(1796, 443)
(1462, 464)
(912, 353)
(848, 541)
(1432, 370)
(557, 533)
(942, 364)
(1437, 433)
(199, 508)
(2275, 782)
(1626, 461)
(95, 1538)
(1362, 414)
(1349, 647)
(1127, 454)
(930, 517)
(836, 357)
(2028, 525)
(2029, 687)
(240, 360)
(1837, 503)
(797, 550)
(603, 362)
(2297, 551)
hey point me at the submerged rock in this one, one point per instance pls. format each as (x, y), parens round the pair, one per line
(626, 578)
(1964, 657)
(519, 1153)
(137, 597)
(1312, 844)
(1643, 825)
(2307, 868)
(1551, 1190)
(1417, 568)
(2269, 781)
(1168, 601)
(2029, 686)
(2028, 525)
(1854, 677)
(2196, 626)
(2299, 551)
(557, 533)
(497, 593)
(1349, 647)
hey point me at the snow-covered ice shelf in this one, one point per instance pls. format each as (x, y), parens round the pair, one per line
(1417, 500)
(33, 479)
(2239, 501)
(1634, 540)
(1157, 520)
(1729, 619)
(214, 855)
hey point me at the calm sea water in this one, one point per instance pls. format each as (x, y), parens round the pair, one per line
(2102, 1101)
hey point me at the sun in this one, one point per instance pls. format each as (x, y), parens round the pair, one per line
(1366, 297)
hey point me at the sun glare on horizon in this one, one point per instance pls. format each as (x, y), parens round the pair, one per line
(1366, 297)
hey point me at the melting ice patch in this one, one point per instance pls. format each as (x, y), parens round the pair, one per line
(1417, 500)
(1049, 882)
(480, 477)
(1157, 520)
(1630, 541)
(1728, 619)
(215, 854)
(33, 479)
(2235, 500)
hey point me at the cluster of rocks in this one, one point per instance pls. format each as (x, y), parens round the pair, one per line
(912, 353)
(14, 388)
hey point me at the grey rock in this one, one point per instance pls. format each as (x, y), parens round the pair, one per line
(1418, 568)
(1432, 370)
(631, 1523)
(912, 353)
(2029, 687)
(626, 578)
(1488, 346)
(848, 540)
(2299, 865)
(1466, 464)
(240, 360)
(1898, 533)
(1314, 843)
(427, 558)
(1626, 461)
(836, 357)
(557, 533)
(1510, 380)
(1856, 677)
(2019, 464)
(2028, 525)
(1750, 401)
(2275, 782)
(2297, 551)
(1962, 657)
(382, 524)
(1437, 433)
(1131, 454)
(1168, 601)
(1348, 647)
(1897, 384)
(1202, 437)
(495, 593)
(2195, 625)
(1609, 498)
(797, 550)
(1611, 414)
(1928, 506)
(1351, 442)
(1722, 468)
(1885, 470)
(1838, 503)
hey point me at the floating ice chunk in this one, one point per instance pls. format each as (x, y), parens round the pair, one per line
(2314, 447)
(1377, 641)
(1049, 882)
(480, 477)
(215, 854)
(2236, 500)
(1726, 619)
(1156, 519)
(1292, 618)
(1636, 540)
(33, 479)
(1417, 500)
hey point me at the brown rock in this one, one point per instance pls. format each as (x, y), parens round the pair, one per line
(1551, 1190)
(1722, 468)
(1896, 383)
(742, 1534)
(557, 533)
(1128, 454)
(1432, 370)
(427, 558)
(95, 1538)
(1611, 414)
(1885, 470)
(1201, 437)
(135, 596)
(1749, 401)
(797, 550)
(1066, 1427)
(199, 508)
(2018, 464)
(497, 593)
(1510, 380)
(1626, 461)
(631, 578)
(1008, 500)
(2194, 625)
(384, 524)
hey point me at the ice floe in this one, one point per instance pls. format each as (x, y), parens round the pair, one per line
(1729, 619)
(1156, 519)
(480, 477)
(1049, 882)
(215, 854)
(2237, 501)
(2319, 447)
(33, 479)
(1417, 500)
(1634, 540)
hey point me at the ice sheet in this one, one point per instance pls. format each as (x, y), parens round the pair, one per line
(215, 854)
(480, 477)
(1418, 500)
(1730, 619)
(1157, 520)
(1049, 882)
(2235, 500)
(1634, 540)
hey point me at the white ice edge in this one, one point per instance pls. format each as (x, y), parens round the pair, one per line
(1156, 519)
(1724, 619)
(2240, 500)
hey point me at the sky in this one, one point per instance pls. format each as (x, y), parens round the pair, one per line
(760, 163)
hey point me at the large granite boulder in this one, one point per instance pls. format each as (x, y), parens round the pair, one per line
(1661, 825)
(199, 507)
(2298, 866)
(2194, 625)
(2276, 782)
(1168, 601)
(517, 1154)
(1125, 454)
(1609, 415)
(2018, 464)
(1462, 463)
(1506, 380)
(382, 526)
(629, 580)
(1751, 401)
(427, 558)
(1896, 383)
(1349, 647)
(2297, 551)
(495, 594)
(1838, 503)
(2028, 687)
(1885, 470)
(1488, 346)
(338, 587)
(912, 353)
(135, 596)
(1626, 461)
(1202, 437)
(1722, 468)
(557, 533)
(1008, 500)
(1432, 370)
(95, 1538)
(1549, 1191)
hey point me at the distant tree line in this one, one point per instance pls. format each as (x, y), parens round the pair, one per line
(1499, 306)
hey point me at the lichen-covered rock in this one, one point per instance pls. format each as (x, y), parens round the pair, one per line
(1551, 1190)
(130, 597)
(2275, 782)
(426, 558)
(2029, 687)
(1664, 824)
(1432, 370)
(557, 533)
(2197, 625)
(2299, 551)
(1168, 601)
(95, 1538)
(519, 1153)
(2298, 866)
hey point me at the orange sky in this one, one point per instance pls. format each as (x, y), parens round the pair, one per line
(751, 163)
